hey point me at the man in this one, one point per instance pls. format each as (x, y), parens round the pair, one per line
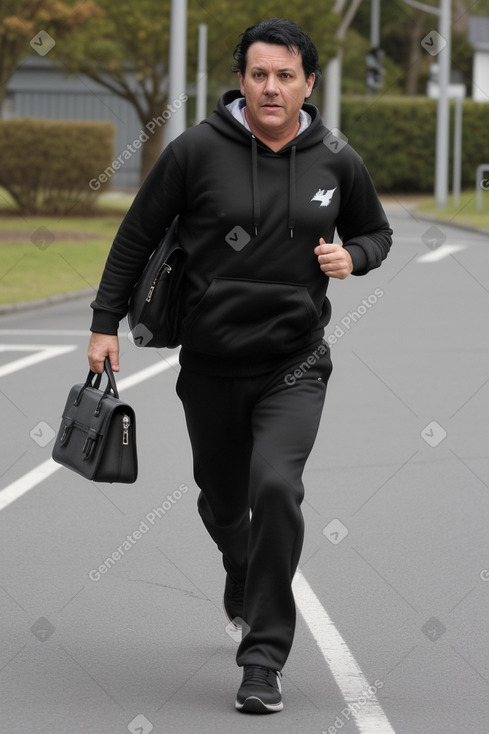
(259, 192)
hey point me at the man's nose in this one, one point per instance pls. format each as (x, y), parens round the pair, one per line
(271, 85)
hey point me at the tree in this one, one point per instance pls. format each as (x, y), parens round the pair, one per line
(21, 21)
(125, 48)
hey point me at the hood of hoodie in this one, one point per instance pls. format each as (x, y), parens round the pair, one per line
(223, 121)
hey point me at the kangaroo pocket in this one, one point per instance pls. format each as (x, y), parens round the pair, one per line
(239, 317)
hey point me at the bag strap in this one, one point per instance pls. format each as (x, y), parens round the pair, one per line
(110, 379)
(94, 379)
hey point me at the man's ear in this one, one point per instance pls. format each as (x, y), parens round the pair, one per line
(241, 79)
(310, 84)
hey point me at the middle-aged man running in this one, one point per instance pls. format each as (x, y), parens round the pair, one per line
(259, 187)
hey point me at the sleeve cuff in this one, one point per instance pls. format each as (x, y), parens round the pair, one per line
(359, 259)
(105, 322)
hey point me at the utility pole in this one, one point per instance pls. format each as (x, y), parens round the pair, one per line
(177, 123)
(332, 91)
(439, 44)
(201, 85)
(443, 113)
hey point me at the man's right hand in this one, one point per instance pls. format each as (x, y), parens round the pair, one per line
(101, 346)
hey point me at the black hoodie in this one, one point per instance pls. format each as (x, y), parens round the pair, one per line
(250, 219)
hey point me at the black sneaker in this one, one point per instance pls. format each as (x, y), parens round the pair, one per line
(260, 691)
(233, 601)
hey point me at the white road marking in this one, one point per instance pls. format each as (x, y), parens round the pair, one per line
(30, 480)
(440, 253)
(27, 482)
(44, 332)
(363, 707)
(50, 332)
(41, 353)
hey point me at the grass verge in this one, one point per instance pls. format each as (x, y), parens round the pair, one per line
(466, 214)
(43, 256)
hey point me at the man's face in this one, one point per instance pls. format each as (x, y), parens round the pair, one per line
(275, 87)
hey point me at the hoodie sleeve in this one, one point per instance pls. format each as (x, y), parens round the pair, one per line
(362, 223)
(159, 200)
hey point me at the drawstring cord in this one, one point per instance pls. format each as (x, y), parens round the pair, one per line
(256, 190)
(291, 222)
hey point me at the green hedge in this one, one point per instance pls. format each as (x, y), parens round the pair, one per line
(396, 137)
(46, 165)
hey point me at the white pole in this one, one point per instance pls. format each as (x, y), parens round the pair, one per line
(443, 120)
(457, 151)
(332, 80)
(177, 124)
(201, 85)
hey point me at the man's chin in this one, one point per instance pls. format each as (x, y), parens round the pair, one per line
(273, 117)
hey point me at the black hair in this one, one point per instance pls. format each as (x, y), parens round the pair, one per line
(281, 32)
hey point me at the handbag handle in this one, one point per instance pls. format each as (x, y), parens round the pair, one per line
(110, 379)
(111, 387)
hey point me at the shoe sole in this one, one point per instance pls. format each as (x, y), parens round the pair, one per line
(254, 705)
(237, 625)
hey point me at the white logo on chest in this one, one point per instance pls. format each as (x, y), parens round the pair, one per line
(324, 196)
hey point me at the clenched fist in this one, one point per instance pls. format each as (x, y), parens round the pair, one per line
(334, 260)
(100, 347)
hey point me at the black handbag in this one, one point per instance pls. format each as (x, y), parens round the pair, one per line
(154, 311)
(97, 436)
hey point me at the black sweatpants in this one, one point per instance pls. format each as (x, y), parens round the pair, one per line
(251, 437)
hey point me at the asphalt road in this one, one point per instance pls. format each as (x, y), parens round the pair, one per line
(392, 635)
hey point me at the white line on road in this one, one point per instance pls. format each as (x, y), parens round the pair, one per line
(440, 253)
(27, 482)
(362, 706)
(30, 480)
(50, 332)
(41, 353)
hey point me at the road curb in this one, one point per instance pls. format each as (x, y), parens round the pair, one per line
(456, 225)
(410, 208)
(9, 308)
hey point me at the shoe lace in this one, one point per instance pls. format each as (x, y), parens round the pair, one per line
(259, 674)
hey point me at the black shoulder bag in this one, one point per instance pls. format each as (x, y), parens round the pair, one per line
(154, 312)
